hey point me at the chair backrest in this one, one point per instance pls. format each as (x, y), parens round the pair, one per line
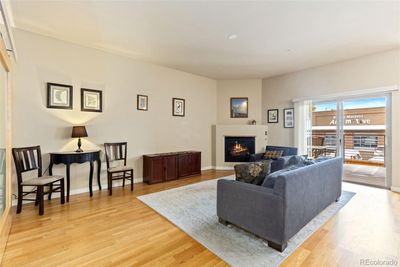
(27, 159)
(318, 140)
(115, 152)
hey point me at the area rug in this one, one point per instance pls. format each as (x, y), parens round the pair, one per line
(193, 209)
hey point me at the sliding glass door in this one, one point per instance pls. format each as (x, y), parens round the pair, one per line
(325, 139)
(354, 129)
(364, 139)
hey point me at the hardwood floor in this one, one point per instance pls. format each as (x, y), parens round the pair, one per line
(119, 230)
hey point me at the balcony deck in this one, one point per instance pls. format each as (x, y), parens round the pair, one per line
(365, 174)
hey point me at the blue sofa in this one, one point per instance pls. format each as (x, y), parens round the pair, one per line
(276, 164)
(276, 214)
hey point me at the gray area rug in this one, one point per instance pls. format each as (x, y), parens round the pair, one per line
(193, 209)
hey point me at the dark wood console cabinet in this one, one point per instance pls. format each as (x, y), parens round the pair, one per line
(170, 166)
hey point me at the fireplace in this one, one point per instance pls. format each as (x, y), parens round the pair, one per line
(239, 148)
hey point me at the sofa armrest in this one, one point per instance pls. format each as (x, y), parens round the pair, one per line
(251, 207)
(256, 157)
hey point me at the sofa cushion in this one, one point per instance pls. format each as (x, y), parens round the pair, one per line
(294, 160)
(253, 173)
(321, 158)
(273, 154)
(269, 181)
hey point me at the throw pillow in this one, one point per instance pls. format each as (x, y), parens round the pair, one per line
(273, 154)
(253, 173)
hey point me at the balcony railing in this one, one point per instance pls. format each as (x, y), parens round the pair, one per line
(359, 148)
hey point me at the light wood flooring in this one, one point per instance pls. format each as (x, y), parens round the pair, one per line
(122, 231)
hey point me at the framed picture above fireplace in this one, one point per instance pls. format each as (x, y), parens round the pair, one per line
(239, 107)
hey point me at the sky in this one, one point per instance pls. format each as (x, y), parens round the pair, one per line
(353, 104)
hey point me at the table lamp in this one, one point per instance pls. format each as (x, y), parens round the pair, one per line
(78, 132)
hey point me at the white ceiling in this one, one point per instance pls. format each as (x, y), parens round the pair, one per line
(273, 37)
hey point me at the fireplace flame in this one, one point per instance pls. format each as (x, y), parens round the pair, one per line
(238, 149)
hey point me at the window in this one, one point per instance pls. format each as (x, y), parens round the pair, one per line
(365, 141)
(330, 140)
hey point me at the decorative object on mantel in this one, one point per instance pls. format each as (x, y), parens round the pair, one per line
(142, 102)
(91, 100)
(288, 117)
(273, 115)
(239, 107)
(59, 96)
(178, 107)
(78, 132)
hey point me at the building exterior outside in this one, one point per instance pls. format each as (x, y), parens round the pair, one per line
(364, 134)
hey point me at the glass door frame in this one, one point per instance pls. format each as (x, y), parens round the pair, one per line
(340, 146)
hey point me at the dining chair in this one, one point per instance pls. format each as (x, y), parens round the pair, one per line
(29, 159)
(117, 152)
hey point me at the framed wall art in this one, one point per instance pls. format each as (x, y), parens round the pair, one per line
(239, 107)
(142, 102)
(59, 96)
(288, 117)
(273, 115)
(178, 107)
(91, 100)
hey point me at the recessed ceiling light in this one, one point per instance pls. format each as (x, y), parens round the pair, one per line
(232, 36)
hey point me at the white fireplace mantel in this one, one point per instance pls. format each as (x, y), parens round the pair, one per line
(220, 131)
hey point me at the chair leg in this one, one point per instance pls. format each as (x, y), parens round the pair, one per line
(50, 192)
(131, 180)
(19, 205)
(62, 196)
(41, 199)
(110, 184)
(123, 180)
(37, 197)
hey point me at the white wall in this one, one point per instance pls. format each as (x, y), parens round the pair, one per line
(239, 88)
(367, 72)
(42, 59)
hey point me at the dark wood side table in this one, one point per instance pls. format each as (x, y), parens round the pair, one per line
(68, 158)
(163, 167)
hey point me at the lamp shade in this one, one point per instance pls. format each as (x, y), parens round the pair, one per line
(79, 131)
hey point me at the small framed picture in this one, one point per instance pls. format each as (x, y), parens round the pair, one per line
(239, 107)
(273, 115)
(59, 96)
(142, 102)
(178, 107)
(288, 117)
(91, 100)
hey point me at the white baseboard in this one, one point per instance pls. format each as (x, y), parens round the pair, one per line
(86, 189)
(395, 189)
(207, 168)
(223, 168)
